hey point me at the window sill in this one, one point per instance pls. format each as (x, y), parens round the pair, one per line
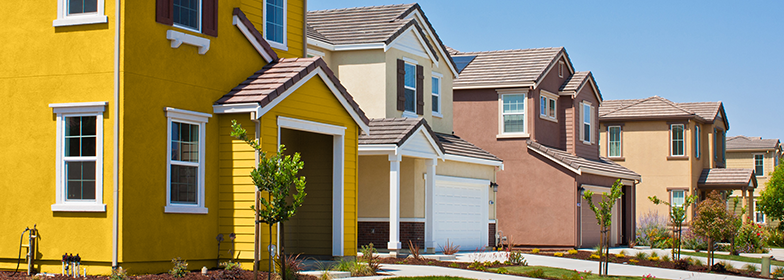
(438, 115)
(409, 114)
(80, 20)
(548, 118)
(513, 136)
(617, 158)
(171, 209)
(586, 142)
(178, 38)
(277, 45)
(78, 207)
(677, 158)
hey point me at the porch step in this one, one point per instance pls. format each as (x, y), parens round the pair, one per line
(332, 274)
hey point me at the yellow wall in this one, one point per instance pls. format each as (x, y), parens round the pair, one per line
(294, 23)
(40, 65)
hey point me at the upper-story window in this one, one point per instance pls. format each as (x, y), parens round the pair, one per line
(275, 22)
(199, 16)
(513, 113)
(697, 141)
(719, 143)
(560, 69)
(436, 94)
(759, 165)
(76, 12)
(185, 161)
(547, 105)
(79, 157)
(677, 142)
(410, 87)
(614, 141)
(586, 116)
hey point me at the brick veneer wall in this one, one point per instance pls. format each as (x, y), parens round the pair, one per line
(491, 235)
(378, 234)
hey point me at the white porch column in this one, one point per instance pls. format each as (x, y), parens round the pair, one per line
(750, 208)
(430, 183)
(394, 205)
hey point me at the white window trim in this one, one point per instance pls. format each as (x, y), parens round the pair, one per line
(63, 19)
(672, 140)
(548, 96)
(590, 124)
(560, 69)
(438, 77)
(697, 137)
(281, 46)
(501, 132)
(754, 158)
(756, 211)
(199, 17)
(72, 110)
(672, 197)
(407, 113)
(195, 118)
(620, 141)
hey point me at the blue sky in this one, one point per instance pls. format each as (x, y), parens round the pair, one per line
(685, 51)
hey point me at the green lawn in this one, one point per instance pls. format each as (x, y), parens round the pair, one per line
(732, 258)
(431, 278)
(559, 273)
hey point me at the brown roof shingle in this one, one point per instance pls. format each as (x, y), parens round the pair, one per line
(751, 143)
(508, 67)
(727, 177)
(656, 107)
(584, 164)
(455, 145)
(275, 78)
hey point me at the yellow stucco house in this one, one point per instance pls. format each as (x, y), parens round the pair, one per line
(763, 155)
(679, 148)
(117, 146)
(418, 182)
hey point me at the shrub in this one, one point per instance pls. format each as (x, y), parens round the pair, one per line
(727, 265)
(558, 254)
(681, 264)
(633, 261)
(575, 276)
(718, 267)
(572, 251)
(535, 251)
(536, 273)
(641, 255)
(689, 240)
(653, 259)
(413, 249)
(595, 256)
(620, 255)
(652, 230)
(450, 248)
(697, 262)
(477, 266)
(775, 237)
(750, 268)
(119, 274)
(751, 238)
(293, 265)
(231, 270)
(665, 258)
(367, 252)
(502, 270)
(516, 258)
(778, 272)
(357, 269)
(455, 265)
(180, 268)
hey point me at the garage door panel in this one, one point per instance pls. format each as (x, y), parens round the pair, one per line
(460, 212)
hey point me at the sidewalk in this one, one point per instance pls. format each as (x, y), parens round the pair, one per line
(777, 254)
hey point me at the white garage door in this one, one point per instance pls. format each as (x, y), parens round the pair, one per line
(460, 212)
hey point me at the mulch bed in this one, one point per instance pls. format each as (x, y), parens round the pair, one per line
(212, 274)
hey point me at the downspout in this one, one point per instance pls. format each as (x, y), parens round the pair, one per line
(116, 128)
(257, 228)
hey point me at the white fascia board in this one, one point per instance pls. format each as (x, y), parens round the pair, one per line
(443, 52)
(608, 174)
(354, 47)
(310, 126)
(320, 44)
(248, 35)
(570, 168)
(433, 143)
(479, 161)
(418, 154)
(497, 86)
(377, 149)
(79, 107)
(422, 42)
(236, 108)
(187, 115)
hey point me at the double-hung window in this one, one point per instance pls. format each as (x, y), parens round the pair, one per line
(614, 141)
(79, 157)
(185, 161)
(759, 165)
(547, 105)
(587, 123)
(436, 94)
(677, 142)
(513, 113)
(410, 87)
(187, 14)
(697, 141)
(275, 23)
(76, 12)
(678, 198)
(200, 16)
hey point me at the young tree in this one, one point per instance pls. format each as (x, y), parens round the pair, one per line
(713, 221)
(275, 175)
(604, 219)
(677, 217)
(771, 200)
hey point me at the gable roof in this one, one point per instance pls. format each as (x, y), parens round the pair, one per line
(727, 178)
(268, 86)
(454, 145)
(253, 35)
(508, 68)
(739, 143)
(602, 166)
(373, 25)
(575, 83)
(656, 107)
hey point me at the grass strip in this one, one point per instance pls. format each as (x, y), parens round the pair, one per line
(560, 273)
(732, 258)
(430, 278)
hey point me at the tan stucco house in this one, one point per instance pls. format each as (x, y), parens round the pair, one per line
(763, 155)
(531, 108)
(418, 182)
(679, 148)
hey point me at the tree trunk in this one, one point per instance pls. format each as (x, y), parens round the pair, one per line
(601, 248)
(607, 255)
(282, 252)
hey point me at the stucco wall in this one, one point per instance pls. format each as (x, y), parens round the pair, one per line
(363, 73)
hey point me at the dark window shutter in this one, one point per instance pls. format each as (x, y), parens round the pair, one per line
(164, 11)
(420, 88)
(401, 85)
(209, 17)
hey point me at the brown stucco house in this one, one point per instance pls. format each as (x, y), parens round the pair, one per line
(534, 111)
(679, 148)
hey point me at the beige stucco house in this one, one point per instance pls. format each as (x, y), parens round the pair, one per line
(418, 182)
(763, 155)
(679, 148)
